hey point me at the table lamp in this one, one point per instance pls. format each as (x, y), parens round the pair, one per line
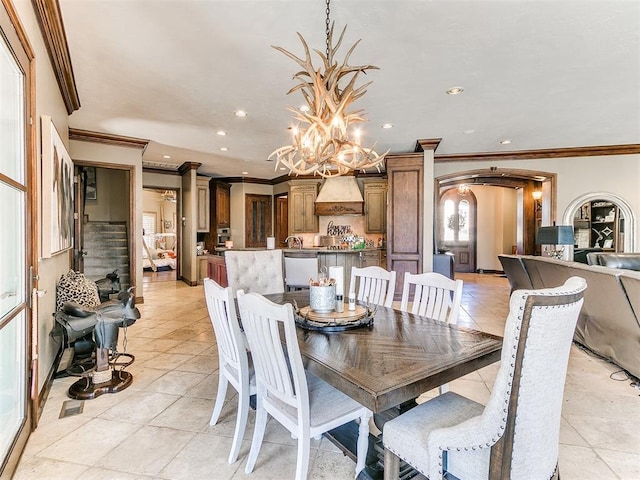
(555, 235)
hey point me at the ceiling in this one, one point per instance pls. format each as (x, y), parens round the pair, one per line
(542, 74)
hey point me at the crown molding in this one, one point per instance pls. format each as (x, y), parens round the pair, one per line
(55, 39)
(107, 138)
(601, 150)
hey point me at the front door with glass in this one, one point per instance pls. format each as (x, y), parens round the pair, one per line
(456, 232)
(14, 262)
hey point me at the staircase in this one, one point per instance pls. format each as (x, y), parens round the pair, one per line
(107, 249)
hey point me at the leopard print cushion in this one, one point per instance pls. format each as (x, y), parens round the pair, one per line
(75, 287)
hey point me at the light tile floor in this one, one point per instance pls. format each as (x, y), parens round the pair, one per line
(159, 427)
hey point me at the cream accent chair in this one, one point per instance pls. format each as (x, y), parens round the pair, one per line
(516, 435)
(259, 271)
(234, 364)
(375, 284)
(303, 403)
(434, 296)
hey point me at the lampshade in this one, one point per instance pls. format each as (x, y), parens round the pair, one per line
(555, 235)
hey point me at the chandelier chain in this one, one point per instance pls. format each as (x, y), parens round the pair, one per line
(327, 30)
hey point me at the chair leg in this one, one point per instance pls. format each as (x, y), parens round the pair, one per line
(220, 396)
(391, 465)
(363, 442)
(258, 435)
(302, 462)
(241, 424)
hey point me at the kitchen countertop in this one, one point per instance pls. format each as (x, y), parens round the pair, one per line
(306, 249)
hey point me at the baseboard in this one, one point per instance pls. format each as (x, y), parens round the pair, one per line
(188, 282)
(44, 393)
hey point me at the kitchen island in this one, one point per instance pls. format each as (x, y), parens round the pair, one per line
(327, 257)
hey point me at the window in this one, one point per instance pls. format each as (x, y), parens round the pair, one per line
(455, 220)
(149, 223)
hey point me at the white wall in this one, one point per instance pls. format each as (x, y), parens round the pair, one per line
(48, 102)
(496, 224)
(112, 192)
(161, 180)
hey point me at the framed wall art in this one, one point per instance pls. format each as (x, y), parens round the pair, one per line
(57, 192)
(91, 192)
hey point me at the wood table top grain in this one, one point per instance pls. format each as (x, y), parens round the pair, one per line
(395, 361)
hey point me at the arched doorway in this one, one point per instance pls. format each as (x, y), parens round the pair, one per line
(530, 212)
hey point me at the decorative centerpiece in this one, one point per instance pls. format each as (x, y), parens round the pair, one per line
(322, 293)
(322, 298)
(325, 311)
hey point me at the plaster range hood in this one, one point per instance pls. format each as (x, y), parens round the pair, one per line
(340, 196)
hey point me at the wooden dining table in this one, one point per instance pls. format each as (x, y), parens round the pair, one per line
(388, 365)
(396, 360)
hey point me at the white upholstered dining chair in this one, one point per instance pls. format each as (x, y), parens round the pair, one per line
(516, 435)
(373, 284)
(303, 403)
(259, 271)
(234, 365)
(434, 296)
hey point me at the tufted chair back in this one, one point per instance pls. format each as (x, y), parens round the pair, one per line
(516, 435)
(257, 271)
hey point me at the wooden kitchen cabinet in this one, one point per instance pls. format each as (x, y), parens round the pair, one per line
(375, 207)
(369, 258)
(217, 269)
(302, 217)
(222, 198)
(203, 268)
(202, 204)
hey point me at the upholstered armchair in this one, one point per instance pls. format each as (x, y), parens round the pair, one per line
(516, 435)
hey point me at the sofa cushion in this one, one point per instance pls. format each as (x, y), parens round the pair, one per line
(626, 261)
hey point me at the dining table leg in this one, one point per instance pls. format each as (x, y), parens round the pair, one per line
(391, 465)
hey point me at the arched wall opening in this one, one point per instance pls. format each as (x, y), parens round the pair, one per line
(626, 210)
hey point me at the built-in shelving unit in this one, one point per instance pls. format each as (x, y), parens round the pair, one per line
(597, 224)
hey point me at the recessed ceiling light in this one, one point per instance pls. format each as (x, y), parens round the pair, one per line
(455, 90)
(506, 141)
(469, 131)
(283, 168)
(245, 173)
(240, 113)
(304, 108)
(387, 125)
(222, 133)
(224, 149)
(166, 156)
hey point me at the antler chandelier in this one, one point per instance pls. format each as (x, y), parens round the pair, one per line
(326, 141)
